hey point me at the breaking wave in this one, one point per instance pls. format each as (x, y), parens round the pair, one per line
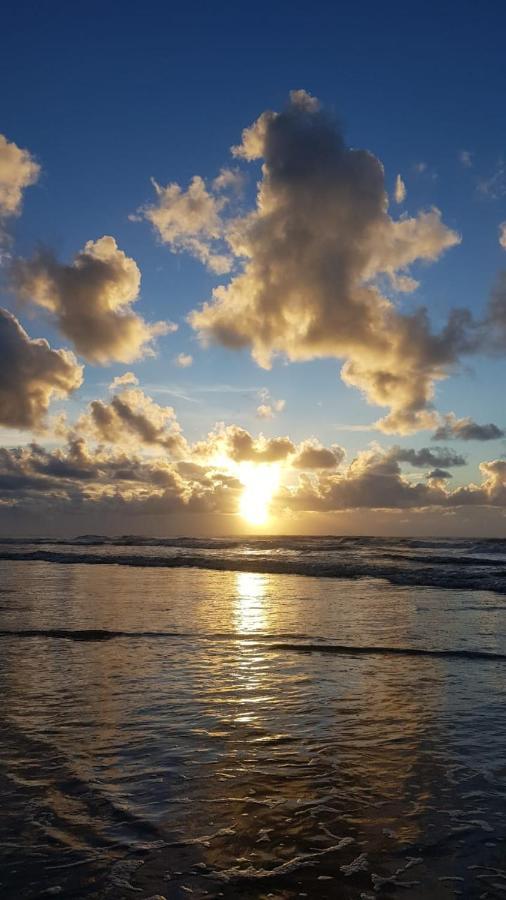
(457, 564)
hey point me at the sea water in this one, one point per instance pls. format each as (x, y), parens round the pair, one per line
(264, 718)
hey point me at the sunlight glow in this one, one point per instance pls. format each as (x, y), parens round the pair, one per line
(260, 483)
(250, 610)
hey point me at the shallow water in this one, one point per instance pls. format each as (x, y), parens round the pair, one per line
(185, 732)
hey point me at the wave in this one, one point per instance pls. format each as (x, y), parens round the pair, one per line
(449, 576)
(266, 641)
(313, 543)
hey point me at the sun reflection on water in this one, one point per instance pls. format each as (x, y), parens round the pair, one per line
(250, 609)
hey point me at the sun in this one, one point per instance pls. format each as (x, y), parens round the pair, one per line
(260, 483)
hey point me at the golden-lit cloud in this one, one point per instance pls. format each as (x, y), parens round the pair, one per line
(120, 480)
(374, 480)
(269, 408)
(90, 300)
(191, 220)
(18, 170)
(123, 380)
(131, 417)
(127, 456)
(314, 251)
(31, 375)
(238, 445)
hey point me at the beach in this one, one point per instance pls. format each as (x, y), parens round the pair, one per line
(232, 727)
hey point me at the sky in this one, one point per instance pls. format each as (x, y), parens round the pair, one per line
(252, 267)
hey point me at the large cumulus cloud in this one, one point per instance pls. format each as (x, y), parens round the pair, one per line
(315, 253)
(91, 300)
(31, 375)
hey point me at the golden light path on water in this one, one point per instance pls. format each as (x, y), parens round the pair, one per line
(251, 618)
(250, 610)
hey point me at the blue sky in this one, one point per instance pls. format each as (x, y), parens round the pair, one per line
(109, 97)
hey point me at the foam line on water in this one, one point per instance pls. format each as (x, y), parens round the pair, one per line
(429, 576)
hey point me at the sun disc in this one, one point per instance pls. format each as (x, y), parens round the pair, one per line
(260, 483)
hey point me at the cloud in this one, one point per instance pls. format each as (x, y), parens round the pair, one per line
(502, 235)
(18, 170)
(374, 480)
(439, 457)
(126, 477)
(122, 380)
(400, 190)
(493, 328)
(466, 429)
(269, 407)
(90, 300)
(183, 360)
(229, 179)
(132, 416)
(31, 375)
(77, 479)
(235, 443)
(494, 187)
(466, 158)
(439, 475)
(270, 410)
(190, 221)
(314, 251)
(311, 454)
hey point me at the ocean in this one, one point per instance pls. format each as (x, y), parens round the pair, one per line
(255, 717)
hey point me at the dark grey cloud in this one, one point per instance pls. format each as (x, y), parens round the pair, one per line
(31, 375)
(439, 457)
(466, 429)
(439, 475)
(313, 455)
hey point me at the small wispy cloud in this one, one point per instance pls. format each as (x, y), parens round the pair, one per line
(342, 426)
(494, 187)
(171, 391)
(226, 389)
(423, 168)
(183, 360)
(269, 407)
(466, 158)
(400, 190)
(122, 380)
